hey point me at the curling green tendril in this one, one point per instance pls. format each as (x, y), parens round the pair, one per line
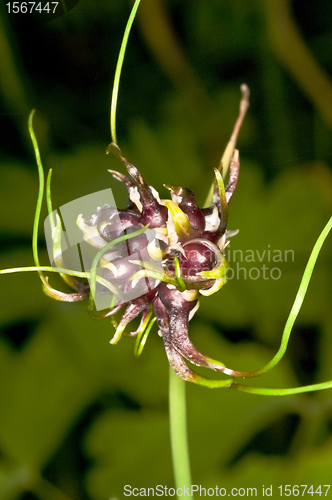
(39, 199)
(298, 300)
(56, 231)
(119, 68)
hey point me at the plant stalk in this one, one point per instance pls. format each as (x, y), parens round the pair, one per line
(178, 431)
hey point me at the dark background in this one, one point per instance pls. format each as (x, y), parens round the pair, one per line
(79, 418)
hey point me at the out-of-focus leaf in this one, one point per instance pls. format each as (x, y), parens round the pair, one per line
(128, 449)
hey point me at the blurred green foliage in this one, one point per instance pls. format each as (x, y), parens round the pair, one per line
(79, 419)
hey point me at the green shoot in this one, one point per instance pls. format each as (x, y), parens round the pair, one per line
(282, 392)
(119, 68)
(49, 201)
(181, 283)
(39, 199)
(143, 333)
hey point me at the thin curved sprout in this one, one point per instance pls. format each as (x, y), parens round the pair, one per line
(46, 286)
(182, 285)
(143, 334)
(298, 300)
(282, 392)
(222, 192)
(150, 271)
(119, 68)
(49, 200)
(39, 199)
(59, 270)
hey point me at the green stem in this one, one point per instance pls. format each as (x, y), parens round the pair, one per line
(178, 431)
